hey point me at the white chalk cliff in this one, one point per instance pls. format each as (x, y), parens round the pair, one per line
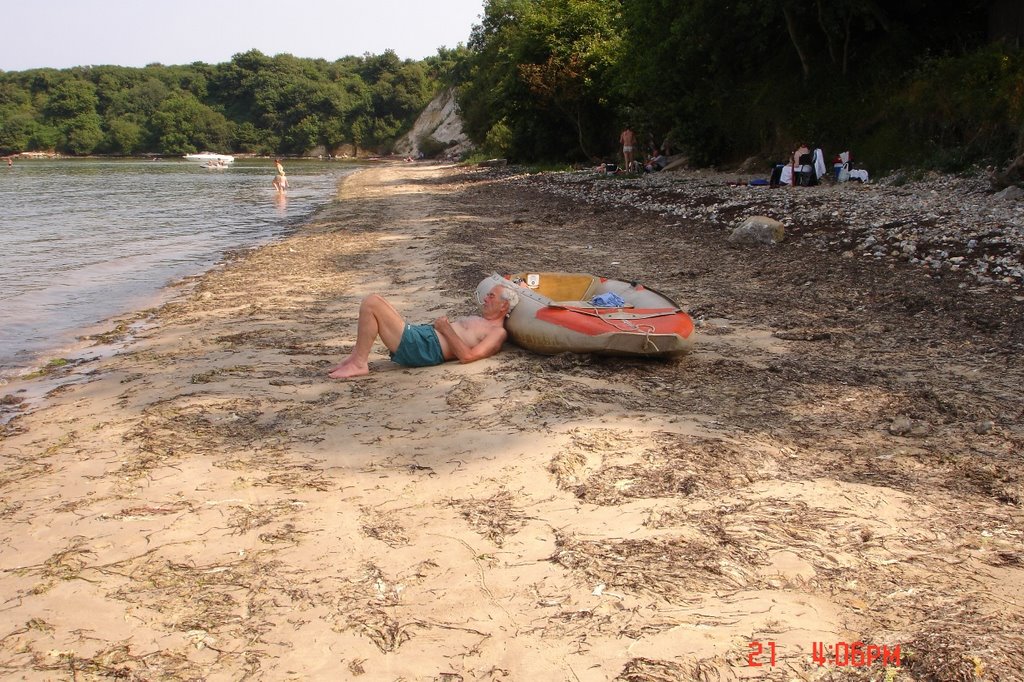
(440, 121)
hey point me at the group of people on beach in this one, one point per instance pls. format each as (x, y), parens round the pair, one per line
(806, 167)
(655, 161)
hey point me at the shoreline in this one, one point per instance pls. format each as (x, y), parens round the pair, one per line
(245, 156)
(831, 464)
(94, 318)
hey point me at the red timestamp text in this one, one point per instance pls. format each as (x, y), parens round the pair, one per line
(854, 654)
(840, 654)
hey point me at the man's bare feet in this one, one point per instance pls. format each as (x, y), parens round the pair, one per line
(348, 369)
(338, 366)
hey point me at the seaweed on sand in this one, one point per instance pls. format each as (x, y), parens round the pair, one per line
(568, 467)
(674, 466)
(619, 484)
(464, 394)
(962, 645)
(247, 517)
(384, 526)
(670, 568)
(650, 670)
(494, 517)
(116, 661)
(201, 424)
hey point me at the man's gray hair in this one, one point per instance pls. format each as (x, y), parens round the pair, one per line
(511, 296)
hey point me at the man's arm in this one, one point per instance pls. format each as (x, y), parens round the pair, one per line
(488, 346)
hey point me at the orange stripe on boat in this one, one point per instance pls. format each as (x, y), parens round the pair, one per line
(586, 321)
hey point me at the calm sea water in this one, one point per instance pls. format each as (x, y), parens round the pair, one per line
(83, 240)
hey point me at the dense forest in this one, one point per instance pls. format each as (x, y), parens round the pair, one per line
(254, 103)
(938, 83)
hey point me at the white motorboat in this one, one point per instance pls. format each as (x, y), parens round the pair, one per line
(207, 157)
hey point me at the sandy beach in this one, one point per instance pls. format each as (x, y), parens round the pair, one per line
(838, 464)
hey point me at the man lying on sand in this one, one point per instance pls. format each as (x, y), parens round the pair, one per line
(423, 345)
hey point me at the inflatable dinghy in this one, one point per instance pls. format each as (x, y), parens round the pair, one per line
(580, 313)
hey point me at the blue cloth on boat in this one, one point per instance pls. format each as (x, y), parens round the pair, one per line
(419, 347)
(608, 300)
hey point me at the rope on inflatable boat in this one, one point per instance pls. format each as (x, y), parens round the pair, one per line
(622, 321)
(645, 329)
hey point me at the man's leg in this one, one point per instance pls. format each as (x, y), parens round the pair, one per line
(377, 317)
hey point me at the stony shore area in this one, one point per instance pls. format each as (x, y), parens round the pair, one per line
(829, 487)
(945, 223)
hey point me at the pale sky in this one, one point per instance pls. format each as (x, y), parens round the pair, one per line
(65, 33)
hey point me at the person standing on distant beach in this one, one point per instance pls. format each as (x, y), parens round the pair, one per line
(628, 140)
(280, 181)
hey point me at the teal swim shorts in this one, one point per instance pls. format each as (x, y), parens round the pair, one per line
(419, 347)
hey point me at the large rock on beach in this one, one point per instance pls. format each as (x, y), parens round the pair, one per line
(759, 229)
(1011, 193)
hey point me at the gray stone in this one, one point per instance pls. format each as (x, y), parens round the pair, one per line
(1011, 193)
(759, 230)
(901, 426)
(921, 429)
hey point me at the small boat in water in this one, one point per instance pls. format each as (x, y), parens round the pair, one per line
(209, 157)
(581, 313)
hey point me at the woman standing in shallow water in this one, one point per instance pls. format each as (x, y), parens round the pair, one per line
(280, 181)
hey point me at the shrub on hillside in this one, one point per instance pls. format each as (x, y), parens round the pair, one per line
(430, 147)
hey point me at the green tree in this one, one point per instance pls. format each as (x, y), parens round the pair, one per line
(303, 135)
(449, 67)
(543, 67)
(44, 137)
(125, 135)
(70, 98)
(183, 124)
(729, 77)
(70, 108)
(16, 128)
(397, 91)
(248, 138)
(253, 103)
(82, 134)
